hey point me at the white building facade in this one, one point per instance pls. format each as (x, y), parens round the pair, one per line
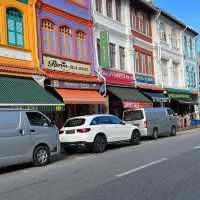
(176, 62)
(112, 17)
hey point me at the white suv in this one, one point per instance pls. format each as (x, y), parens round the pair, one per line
(96, 131)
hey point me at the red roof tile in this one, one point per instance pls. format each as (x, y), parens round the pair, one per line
(19, 69)
(150, 87)
(71, 77)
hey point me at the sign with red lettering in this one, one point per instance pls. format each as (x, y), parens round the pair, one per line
(117, 77)
(134, 105)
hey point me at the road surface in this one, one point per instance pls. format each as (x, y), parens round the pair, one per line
(165, 169)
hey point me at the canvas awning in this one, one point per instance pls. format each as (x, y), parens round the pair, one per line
(157, 97)
(26, 93)
(75, 96)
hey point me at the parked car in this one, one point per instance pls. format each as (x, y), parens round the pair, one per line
(96, 131)
(152, 122)
(27, 136)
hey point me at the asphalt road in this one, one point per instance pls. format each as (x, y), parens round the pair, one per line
(166, 169)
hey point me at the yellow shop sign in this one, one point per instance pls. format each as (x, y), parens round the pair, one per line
(66, 66)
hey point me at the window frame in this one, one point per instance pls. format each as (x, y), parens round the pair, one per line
(14, 31)
(112, 54)
(68, 48)
(122, 56)
(118, 7)
(80, 45)
(99, 7)
(109, 6)
(48, 40)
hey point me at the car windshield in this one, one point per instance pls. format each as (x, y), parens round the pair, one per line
(133, 115)
(74, 122)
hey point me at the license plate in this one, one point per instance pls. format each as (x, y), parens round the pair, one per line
(70, 132)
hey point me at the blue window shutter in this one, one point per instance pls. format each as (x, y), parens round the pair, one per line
(15, 28)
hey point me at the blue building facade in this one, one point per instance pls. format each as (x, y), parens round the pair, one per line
(190, 59)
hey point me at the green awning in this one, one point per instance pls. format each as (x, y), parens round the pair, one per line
(28, 94)
(172, 90)
(127, 93)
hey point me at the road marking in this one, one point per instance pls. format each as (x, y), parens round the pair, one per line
(197, 147)
(140, 168)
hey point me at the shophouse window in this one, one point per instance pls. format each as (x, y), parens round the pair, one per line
(66, 41)
(80, 45)
(141, 22)
(149, 69)
(137, 62)
(164, 71)
(112, 54)
(99, 6)
(133, 19)
(99, 51)
(174, 39)
(143, 63)
(175, 74)
(109, 8)
(48, 36)
(185, 44)
(163, 35)
(148, 27)
(122, 58)
(15, 27)
(191, 48)
(118, 10)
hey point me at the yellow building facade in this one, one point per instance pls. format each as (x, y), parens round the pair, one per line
(18, 35)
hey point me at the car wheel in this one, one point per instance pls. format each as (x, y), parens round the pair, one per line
(41, 156)
(99, 144)
(155, 134)
(135, 138)
(173, 131)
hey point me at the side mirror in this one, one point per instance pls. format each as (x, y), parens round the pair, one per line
(123, 123)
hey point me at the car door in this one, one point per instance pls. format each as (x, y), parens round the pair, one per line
(104, 125)
(13, 138)
(41, 129)
(121, 131)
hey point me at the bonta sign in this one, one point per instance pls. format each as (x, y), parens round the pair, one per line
(66, 66)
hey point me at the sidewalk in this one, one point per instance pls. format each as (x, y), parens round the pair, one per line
(188, 130)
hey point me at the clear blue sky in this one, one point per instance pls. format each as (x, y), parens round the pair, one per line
(186, 11)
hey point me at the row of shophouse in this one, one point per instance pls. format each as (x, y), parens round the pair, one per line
(75, 57)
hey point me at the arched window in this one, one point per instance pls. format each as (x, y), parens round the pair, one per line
(15, 27)
(66, 41)
(48, 36)
(80, 45)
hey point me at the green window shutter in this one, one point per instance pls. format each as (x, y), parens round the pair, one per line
(15, 27)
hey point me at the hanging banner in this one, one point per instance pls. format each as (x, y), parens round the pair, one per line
(104, 48)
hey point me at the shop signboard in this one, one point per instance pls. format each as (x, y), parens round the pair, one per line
(73, 85)
(144, 79)
(128, 104)
(179, 96)
(117, 77)
(104, 47)
(66, 66)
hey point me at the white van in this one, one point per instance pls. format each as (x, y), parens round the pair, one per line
(153, 122)
(27, 136)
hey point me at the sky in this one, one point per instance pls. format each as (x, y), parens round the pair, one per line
(186, 11)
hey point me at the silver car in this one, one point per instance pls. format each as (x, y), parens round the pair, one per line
(153, 122)
(27, 136)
